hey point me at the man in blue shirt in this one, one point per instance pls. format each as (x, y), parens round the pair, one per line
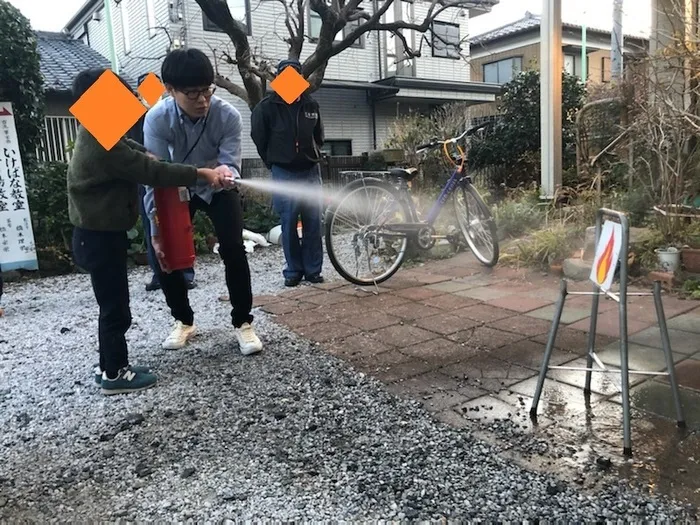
(195, 127)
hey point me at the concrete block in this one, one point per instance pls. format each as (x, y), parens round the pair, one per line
(577, 269)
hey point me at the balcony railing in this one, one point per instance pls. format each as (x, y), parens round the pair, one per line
(57, 138)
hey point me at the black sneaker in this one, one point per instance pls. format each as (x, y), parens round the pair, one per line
(127, 381)
(137, 369)
(152, 286)
(191, 285)
(291, 283)
(315, 279)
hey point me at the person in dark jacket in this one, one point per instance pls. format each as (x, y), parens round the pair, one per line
(102, 206)
(288, 138)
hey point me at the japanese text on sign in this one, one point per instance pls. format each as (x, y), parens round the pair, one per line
(17, 248)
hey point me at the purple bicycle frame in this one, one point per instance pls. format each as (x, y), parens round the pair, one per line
(444, 195)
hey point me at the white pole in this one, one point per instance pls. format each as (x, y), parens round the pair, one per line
(616, 43)
(584, 52)
(110, 37)
(551, 57)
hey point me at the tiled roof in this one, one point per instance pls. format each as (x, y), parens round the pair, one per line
(528, 23)
(62, 58)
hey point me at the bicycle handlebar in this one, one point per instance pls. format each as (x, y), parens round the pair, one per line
(469, 132)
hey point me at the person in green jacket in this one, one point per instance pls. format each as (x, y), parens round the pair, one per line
(102, 206)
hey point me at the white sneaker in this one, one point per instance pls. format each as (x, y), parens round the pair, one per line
(248, 342)
(179, 336)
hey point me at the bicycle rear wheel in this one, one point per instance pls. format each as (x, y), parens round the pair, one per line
(477, 224)
(359, 246)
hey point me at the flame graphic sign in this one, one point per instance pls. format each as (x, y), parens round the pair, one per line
(605, 261)
(607, 254)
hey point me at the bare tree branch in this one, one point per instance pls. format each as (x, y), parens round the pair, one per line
(335, 15)
(219, 13)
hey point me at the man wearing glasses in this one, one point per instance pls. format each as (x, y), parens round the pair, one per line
(195, 127)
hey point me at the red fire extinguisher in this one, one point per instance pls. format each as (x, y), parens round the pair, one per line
(175, 227)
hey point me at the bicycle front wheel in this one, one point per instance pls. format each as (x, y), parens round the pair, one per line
(477, 224)
(360, 247)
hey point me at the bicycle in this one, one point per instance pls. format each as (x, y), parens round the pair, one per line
(372, 220)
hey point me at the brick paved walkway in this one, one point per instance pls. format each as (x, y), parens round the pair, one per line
(467, 342)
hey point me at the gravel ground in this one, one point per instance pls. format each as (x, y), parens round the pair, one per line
(289, 434)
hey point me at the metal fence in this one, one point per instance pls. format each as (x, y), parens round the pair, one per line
(56, 139)
(331, 168)
(60, 132)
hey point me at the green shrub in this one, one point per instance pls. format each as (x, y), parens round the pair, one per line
(48, 202)
(515, 218)
(637, 203)
(518, 213)
(259, 216)
(375, 162)
(203, 233)
(548, 246)
(21, 82)
(691, 288)
(514, 141)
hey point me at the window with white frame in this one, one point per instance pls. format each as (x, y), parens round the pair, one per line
(446, 41)
(315, 24)
(351, 26)
(126, 31)
(398, 62)
(337, 148)
(151, 17)
(572, 65)
(606, 69)
(240, 11)
(503, 71)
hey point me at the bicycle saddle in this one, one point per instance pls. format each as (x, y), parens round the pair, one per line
(406, 174)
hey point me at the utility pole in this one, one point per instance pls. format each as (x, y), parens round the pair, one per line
(110, 37)
(551, 70)
(584, 53)
(616, 42)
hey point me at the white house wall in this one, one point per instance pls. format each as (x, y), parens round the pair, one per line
(386, 114)
(268, 29)
(438, 68)
(146, 53)
(346, 115)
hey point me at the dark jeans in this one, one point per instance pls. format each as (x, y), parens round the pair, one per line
(152, 260)
(104, 256)
(226, 215)
(303, 259)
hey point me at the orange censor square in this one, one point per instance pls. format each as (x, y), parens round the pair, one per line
(289, 85)
(151, 89)
(108, 110)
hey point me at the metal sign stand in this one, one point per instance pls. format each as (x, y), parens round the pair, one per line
(621, 299)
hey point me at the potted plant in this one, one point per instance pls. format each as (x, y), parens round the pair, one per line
(691, 259)
(669, 259)
(690, 253)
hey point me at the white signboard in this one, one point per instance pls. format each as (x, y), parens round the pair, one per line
(607, 255)
(17, 249)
